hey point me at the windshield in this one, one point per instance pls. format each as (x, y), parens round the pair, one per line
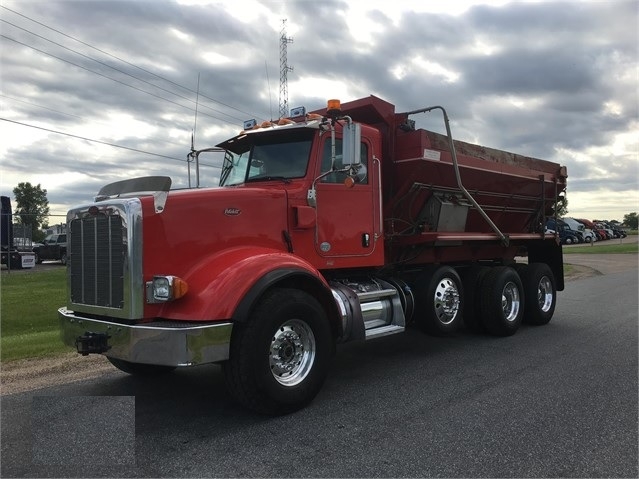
(278, 155)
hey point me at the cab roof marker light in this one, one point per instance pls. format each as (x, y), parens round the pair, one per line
(298, 111)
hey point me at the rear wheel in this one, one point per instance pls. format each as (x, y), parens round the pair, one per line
(63, 258)
(280, 357)
(471, 281)
(502, 301)
(139, 369)
(439, 301)
(541, 293)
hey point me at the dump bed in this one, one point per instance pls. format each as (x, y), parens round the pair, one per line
(425, 201)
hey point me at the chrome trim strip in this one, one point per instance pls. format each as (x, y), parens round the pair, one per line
(165, 344)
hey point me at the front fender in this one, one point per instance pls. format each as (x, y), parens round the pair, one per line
(227, 284)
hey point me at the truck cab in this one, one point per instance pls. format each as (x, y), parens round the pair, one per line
(566, 234)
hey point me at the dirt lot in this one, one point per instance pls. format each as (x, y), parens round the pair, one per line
(30, 374)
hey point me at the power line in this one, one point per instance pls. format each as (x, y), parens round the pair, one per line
(128, 63)
(118, 70)
(103, 142)
(40, 106)
(105, 76)
(76, 116)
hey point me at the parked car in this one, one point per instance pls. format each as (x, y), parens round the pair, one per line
(54, 247)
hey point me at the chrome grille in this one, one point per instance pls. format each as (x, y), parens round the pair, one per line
(97, 261)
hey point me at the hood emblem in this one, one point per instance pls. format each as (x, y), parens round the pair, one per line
(232, 211)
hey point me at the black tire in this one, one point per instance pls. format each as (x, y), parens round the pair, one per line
(139, 369)
(540, 291)
(471, 282)
(63, 258)
(280, 357)
(502, 301)
(37, 258)
(439, 301)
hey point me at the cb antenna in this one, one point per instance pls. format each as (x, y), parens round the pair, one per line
(192, 155)
(268, 85)
(197, 102)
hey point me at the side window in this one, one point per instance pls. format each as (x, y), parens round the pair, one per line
(339, 177)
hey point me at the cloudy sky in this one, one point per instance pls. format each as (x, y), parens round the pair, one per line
(97, 91)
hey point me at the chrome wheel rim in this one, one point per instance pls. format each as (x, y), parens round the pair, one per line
(292, 352)
(544, 294)
(510, 301)
(446, 301)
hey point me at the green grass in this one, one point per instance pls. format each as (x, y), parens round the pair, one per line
(28, 313)
(604, 248)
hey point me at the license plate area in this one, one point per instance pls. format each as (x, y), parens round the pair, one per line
(92, 343)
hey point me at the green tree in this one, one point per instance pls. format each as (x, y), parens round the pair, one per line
(32, 207)
(561, 207)
(632, 220)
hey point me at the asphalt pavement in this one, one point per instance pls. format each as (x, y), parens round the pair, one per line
(552, 401)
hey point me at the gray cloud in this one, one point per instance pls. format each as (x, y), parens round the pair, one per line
(539, 79)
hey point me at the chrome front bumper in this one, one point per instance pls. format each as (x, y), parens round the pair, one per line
(160, 343)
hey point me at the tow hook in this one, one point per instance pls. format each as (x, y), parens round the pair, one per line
(92, 343)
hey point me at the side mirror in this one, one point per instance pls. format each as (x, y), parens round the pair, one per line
(351, 144)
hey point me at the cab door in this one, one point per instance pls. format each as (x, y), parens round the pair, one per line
(348, 218)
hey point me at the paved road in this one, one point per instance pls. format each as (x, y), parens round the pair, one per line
(552, 401)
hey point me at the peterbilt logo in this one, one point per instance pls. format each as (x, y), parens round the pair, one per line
(232, 211)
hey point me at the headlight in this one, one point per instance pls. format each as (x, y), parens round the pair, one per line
(165, 288)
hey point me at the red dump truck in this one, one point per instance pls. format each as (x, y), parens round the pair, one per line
(343, 224)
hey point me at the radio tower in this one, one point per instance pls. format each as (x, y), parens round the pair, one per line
(284, 69)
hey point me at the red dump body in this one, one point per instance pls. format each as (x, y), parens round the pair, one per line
(423, 202)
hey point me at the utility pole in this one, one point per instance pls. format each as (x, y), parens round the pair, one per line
(284, 69)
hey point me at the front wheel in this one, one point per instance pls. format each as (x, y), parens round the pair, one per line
(280, 356)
